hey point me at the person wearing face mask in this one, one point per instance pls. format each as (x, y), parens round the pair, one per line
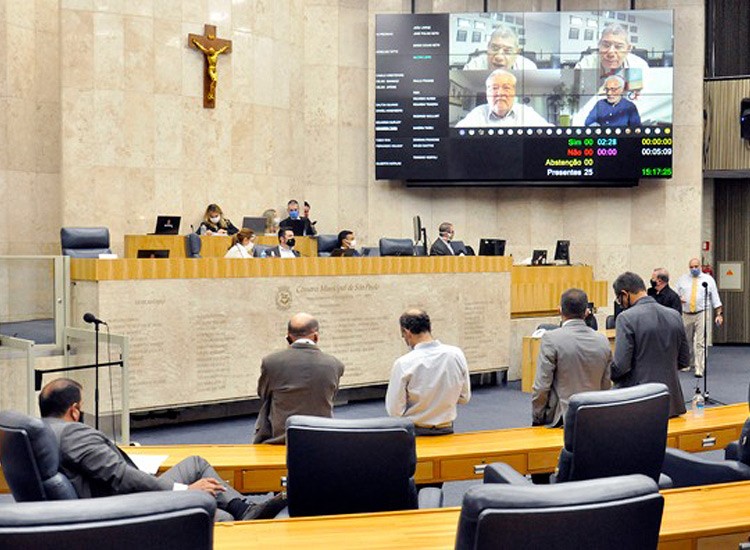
(692, 288)
(444, 245)
(650, 341)
(214, 222)
(242, 244)
(301, 225)
(347, 244)
(286, 245)
(662, 292)
(298, 380)
(428, 383)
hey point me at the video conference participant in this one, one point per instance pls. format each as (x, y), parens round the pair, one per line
(242, 244)
(614, 53)
(298, 380)
(614, 110)
(286, 245)
(97, 467)
(300, 225)
(443, 245)
(214, 222)
(503, 52)
(501, 108)
(428, 382)
(347, 244)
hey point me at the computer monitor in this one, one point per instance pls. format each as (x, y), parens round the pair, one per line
(539, 257)
(258, 225)
(492, 247)
(562, 252)
(167, 225)
(417, 223)
(297, 226)
(145, 253)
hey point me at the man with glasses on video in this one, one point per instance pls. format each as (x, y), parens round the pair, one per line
(614, 53)
(502, 53)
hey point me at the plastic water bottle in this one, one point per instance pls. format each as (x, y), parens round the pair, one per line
(698, 404)
(262, 253)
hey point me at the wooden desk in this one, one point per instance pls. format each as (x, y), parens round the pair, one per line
(716, 516)
(530, 354)
(535, 290)
(212, 246)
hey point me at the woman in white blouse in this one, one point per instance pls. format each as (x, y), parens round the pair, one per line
(242, 244)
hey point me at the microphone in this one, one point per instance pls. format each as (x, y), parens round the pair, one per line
(704, 284)
(90, 318)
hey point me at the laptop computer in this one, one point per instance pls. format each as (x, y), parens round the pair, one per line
(167, 225)
(258, 225)
(539, 257)
(147, 253)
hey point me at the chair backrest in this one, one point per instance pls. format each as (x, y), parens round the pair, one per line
(84, 242)
(743, 454)
(396, 247)
(326, 244)
(615, 432)
(349, 466)
(258, 249)
(30, 457)
(152, 520)
(547, 326)
(614, 513)
(193, 245)
(610, 322)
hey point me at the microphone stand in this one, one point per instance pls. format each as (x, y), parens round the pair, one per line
(96, 375)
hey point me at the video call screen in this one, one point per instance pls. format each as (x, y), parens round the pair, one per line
(561, 98)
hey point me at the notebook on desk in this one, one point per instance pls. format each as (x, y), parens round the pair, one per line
(167, 225)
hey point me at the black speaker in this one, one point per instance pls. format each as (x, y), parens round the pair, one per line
(745, 118)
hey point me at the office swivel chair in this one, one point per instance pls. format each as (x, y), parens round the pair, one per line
(608, 433)
(615, 513)
(352, 466)
(326, 244)
(396, 247)
(84, 242)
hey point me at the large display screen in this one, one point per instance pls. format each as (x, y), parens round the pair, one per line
(563, 98)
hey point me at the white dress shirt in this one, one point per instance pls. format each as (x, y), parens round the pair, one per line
(519, 115)
(238, 251)
(427, 383)
(286, 253)
(684, 288)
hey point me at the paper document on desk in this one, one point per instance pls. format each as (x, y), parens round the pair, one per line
(148, 463)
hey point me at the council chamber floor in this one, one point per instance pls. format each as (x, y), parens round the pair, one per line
(491, 407)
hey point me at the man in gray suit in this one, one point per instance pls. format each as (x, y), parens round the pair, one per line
(97, 467)
(572, 359)
(298, 380)
(650, 341)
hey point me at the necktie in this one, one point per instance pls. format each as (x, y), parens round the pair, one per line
(693, 294)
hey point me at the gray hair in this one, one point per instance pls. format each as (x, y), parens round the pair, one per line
(499, 72)
(617, 30)
(501, 31)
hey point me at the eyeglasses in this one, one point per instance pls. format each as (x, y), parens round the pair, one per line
(500, 49)
(618, 46)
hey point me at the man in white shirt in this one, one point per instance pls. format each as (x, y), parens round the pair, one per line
(503, 52)
(428, 382)
(501, 108)
(691, 288)
(286, 245)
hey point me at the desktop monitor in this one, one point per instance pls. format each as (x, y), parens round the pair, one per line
(167, 225)
(562, 252)
(539, 257)
(258, 225)
(417, 222)
(492, 247)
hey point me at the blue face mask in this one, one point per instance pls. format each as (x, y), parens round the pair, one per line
(294, 214)
(695, 271)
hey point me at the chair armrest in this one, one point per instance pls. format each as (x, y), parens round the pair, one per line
(500, 472)
(688, 470)
(732, 451)
(430, 497)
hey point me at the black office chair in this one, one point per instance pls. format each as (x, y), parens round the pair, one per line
(732, 451)
(84, 242)
(259, 249)
(193, 245)
(687, 470)
(615, 513)
(608, 433)
(396, 247)
(155, 520)
(30, 456)
(326, 244)
(352, 466)
(609, 323)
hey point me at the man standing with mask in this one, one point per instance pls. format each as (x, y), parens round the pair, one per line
(301, 225)
(650, 342)
(691, 288)
(662, 292)
(428, 382)
(298, 380)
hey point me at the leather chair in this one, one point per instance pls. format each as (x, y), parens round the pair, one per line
(687, 470)
(84, 242)
(608, 433)
(732, 451)
(193, 245)
(155, 520)
(396, 247)
(326, 244)
(609, 322)
(615, 513)
(352, 466)
(30, 455)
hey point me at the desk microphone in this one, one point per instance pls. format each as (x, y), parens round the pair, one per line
(90, 318)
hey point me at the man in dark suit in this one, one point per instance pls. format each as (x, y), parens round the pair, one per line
(298, 380)
(286, 245)
(650, 341)
(444, 245)
(301, 225)
(572, 359)
(662, 292)
(97, 467)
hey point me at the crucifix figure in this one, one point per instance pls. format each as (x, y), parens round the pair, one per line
(211, 47)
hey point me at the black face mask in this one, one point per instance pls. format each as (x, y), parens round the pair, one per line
(653, 283)
(80, 417)
(290, 243)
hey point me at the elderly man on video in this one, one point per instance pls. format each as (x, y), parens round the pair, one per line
(503, 52)
(501, 108)
(614, 110)
(614, 53)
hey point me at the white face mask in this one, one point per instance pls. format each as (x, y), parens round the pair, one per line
(249, 246)
(215, 219)
(353, 243)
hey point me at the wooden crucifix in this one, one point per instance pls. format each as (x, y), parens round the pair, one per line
(211, 47)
